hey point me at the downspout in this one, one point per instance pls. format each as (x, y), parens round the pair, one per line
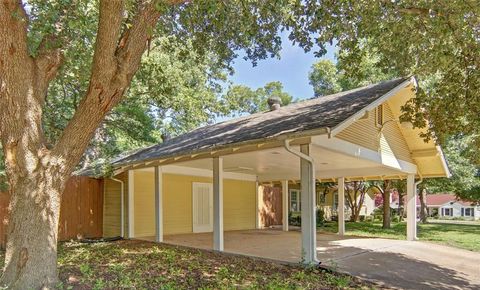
(310, 160)
(419, 197)
(301, 155)
(122, 210)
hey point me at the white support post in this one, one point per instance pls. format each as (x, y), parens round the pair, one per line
(131, 213)
(257, 206)
(341, 206)
(411, 208)
(158, 204)
(308, 208)
(218, 204)
(285, 205)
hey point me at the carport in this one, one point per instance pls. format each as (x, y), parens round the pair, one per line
(354, 135)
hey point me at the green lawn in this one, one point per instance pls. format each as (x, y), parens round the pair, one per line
(145, 265)
(455, 235)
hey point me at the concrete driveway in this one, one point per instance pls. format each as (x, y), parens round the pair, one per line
(402, 264)
(393, 263)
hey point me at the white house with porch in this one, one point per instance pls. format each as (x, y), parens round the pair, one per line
(201, 188)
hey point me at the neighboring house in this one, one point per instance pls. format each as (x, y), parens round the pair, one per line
(447, 206)
(208, 180)
(327, 200)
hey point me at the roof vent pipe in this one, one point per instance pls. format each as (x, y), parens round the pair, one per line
(165, 136)
(274, 103)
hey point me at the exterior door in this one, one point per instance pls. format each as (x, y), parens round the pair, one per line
(202, 207)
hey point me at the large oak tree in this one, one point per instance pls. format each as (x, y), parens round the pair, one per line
(36, 42)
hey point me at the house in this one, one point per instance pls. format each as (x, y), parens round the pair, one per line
(448, 206)
(210, 179)
(326, 200)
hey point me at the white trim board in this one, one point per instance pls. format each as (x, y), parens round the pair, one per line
(358, 115)
(191, 171)
(344, 147)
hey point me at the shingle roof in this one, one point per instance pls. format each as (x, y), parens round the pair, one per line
(443, 198)
(316, 113)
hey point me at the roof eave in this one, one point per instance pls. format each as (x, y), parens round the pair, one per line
(358, 115)
(282, 137)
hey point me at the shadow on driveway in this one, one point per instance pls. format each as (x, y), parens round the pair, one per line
(384, 263)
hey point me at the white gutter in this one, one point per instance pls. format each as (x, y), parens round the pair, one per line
(419, 181)
(301, 155)
(122, 210)
(308, 235)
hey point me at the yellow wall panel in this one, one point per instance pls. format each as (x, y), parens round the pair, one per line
(239, 205)
(111, 208)
(365, 132)
(144, 203)
(177, 202)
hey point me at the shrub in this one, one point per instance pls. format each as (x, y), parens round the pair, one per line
(320, 217)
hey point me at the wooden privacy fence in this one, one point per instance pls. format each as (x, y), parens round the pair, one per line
(81, 210)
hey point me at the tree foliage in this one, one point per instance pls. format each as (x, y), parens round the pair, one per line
(437, 41)
(240, 99)
(328, 77)
(465, 180)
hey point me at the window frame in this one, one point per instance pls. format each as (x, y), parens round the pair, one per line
(298, 199)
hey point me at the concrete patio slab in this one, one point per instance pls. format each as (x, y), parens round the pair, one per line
(393, 263)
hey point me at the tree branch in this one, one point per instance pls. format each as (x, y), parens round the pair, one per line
(116, 60)
(48, 62)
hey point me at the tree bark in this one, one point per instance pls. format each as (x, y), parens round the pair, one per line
(423, 206)
(31, 250)
(37, 175)
(386, 209)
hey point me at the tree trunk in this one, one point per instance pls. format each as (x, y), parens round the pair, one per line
(36, 174)
(31, 250)
(386, 209)
(401, 212)
(423, 206)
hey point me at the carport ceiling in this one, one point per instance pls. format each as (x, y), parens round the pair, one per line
(277, 164)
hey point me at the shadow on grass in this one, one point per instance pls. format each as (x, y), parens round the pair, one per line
(394, 269)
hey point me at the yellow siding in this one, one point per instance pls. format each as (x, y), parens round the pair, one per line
(239, 205)
(144, 203)
(177, 202)
(365, 133)
(111, 208)
(112, 204)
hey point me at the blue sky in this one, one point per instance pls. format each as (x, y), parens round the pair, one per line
(291, 70)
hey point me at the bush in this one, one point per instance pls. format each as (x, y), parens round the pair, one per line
(297, 220)
(294, 220)
(320, 217)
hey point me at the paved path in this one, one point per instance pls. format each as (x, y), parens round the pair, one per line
(394, 263)
(403, 264)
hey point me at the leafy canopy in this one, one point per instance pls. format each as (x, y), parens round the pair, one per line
(240, 99)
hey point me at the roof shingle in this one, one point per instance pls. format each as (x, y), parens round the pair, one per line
(316, 113)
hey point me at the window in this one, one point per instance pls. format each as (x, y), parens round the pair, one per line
(448, 211)
(379, 117)
(295, 204)
(322, 198)
(335, 202)
(469, 211)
